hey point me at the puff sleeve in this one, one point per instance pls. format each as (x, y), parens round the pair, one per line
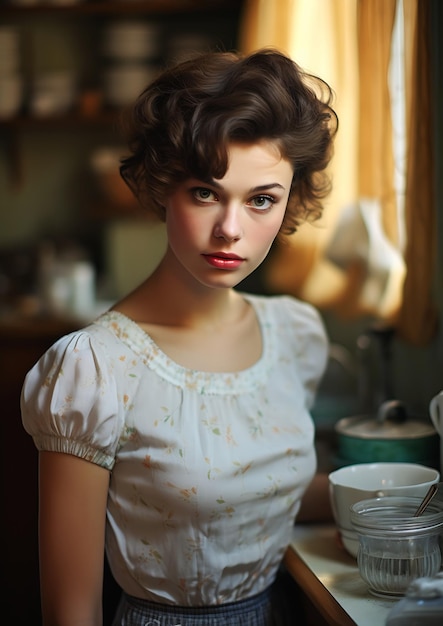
(309, 343)
(69, 401)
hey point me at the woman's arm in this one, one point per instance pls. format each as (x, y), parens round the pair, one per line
(72, 512)
(316, 504)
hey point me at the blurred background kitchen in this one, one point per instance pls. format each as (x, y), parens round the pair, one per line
(73, 239)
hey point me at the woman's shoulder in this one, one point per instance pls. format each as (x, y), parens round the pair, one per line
(298, 336)
(293, 327)
(110, 331)
(93, 337)
(285, 309)
(92, 353)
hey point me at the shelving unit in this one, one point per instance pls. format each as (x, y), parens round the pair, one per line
(86, 15)
(181, 12)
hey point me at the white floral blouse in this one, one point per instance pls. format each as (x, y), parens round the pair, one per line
(207, 469)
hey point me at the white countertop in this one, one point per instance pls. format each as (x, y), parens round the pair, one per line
(337, 571)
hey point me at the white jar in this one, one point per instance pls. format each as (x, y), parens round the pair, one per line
(82, 289)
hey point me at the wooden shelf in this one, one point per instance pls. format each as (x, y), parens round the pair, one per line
(102, 119)
(111, 7)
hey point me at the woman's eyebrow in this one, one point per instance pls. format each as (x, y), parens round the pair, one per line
(266, 187)
(259, 188)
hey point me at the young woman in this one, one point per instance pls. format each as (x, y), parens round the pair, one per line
(174, 431)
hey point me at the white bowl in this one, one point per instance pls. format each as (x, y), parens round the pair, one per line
(363, 481)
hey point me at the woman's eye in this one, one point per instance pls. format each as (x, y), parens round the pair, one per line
(262, 202)
(204, 195)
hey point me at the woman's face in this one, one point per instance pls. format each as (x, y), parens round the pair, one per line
(219, 231)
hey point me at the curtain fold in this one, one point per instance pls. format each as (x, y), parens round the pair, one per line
(375, 23)
(419, 316)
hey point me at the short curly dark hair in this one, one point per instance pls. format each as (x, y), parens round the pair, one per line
(183, 122)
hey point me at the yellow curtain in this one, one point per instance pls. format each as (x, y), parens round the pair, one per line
(349, 45)
(320, 36)
(418, 317)
(375, 23)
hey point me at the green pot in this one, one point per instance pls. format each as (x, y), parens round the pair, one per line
(364, 439)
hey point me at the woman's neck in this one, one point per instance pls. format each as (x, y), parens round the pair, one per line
(206, 329)
(165, 299)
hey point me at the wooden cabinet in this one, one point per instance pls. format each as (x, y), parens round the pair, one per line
(22, 343)
(20, 346)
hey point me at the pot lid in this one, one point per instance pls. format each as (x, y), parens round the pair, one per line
(369, 427)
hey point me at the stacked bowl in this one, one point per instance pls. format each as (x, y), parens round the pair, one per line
(131, 51)
(354, 483)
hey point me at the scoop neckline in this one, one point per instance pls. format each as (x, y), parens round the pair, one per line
(143, 345)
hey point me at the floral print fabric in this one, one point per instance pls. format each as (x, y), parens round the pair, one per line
(207, 468)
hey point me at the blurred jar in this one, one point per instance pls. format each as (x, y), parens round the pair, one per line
(66, 284)
(394, 546)
(11, 80)
(123, 83)
(423, 604)
(53, 93)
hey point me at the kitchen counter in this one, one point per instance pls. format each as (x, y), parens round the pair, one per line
(329, 577)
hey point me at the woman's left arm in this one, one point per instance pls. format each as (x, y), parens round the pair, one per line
(72, 501)
(315, 504)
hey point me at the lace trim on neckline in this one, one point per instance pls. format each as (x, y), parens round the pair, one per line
(203, 382)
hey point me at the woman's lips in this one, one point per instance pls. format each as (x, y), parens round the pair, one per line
(223, 261)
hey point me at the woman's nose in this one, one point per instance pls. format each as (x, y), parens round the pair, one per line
(228, 224)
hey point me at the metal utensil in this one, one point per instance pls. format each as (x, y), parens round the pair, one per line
(426, 500)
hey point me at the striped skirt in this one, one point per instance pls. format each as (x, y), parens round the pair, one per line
(269, 608)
